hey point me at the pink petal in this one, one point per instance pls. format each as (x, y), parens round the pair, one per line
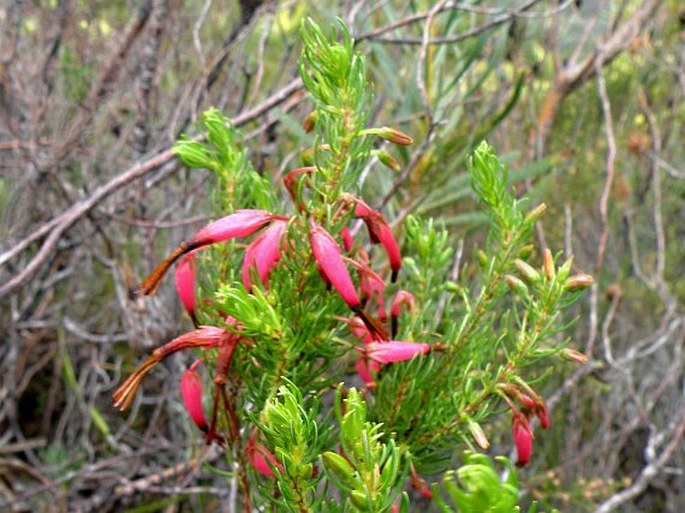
(542, 415)
(401, 298)
(523, 439)
(361, 209)
(328, 255)
(348, 241)
(260, 457)
(241, 223)
(394, 351)
(367, 370)
(264, 252)
(191, 390)
(359, 329)
(185, 283)
(380, 231)
(384, 234)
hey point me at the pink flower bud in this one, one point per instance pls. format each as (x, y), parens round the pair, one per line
(185, 284)
(191, 390)
(394, 351)
(289, 182)
(542, 414)
(264, 252)
(241, 223)
(367, 369)
(525, 401)
(348, 241)
(523, 438)
(329, 257)
(402, 297)
(380, 231)
(261, 458)
(370, 285)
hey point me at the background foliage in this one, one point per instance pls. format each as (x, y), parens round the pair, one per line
(583, 100)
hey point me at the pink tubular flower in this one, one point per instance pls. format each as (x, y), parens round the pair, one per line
(380, 231)
(191, 391)
(394, 351)
(328, 256)
(240, 223)
(367, 370)
(525, 401)
(401, 298)
(370, 284)
(289, 182)
(205, 337)
(264, 252)
(348, 241)
(261, 458)
(523, 438)
(185, 284)
(540, 410)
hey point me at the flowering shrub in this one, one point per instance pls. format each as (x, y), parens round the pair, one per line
(321, 401)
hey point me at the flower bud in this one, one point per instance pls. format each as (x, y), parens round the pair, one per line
(529, 275)
(579, 282)
(548, 264)
(454, 287)
(388, 160)
(565, 269)
(264, 253)
(542, 414)
(574, 356)
(525, 401)
(348, 241)
(483, 259)
(523, 439)
(309, 122)
(191, 391)
(478, 435)
(526, 251)
(328, 256)
(535, 214)
(184, 275)
(261, 458)
(516, 285)
(367, 369)
(241, 223)
(395, 136)
(380, 231)
(340, 468)
(394, 351)
(402, 297)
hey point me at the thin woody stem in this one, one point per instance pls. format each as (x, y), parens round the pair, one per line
(235, 441)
